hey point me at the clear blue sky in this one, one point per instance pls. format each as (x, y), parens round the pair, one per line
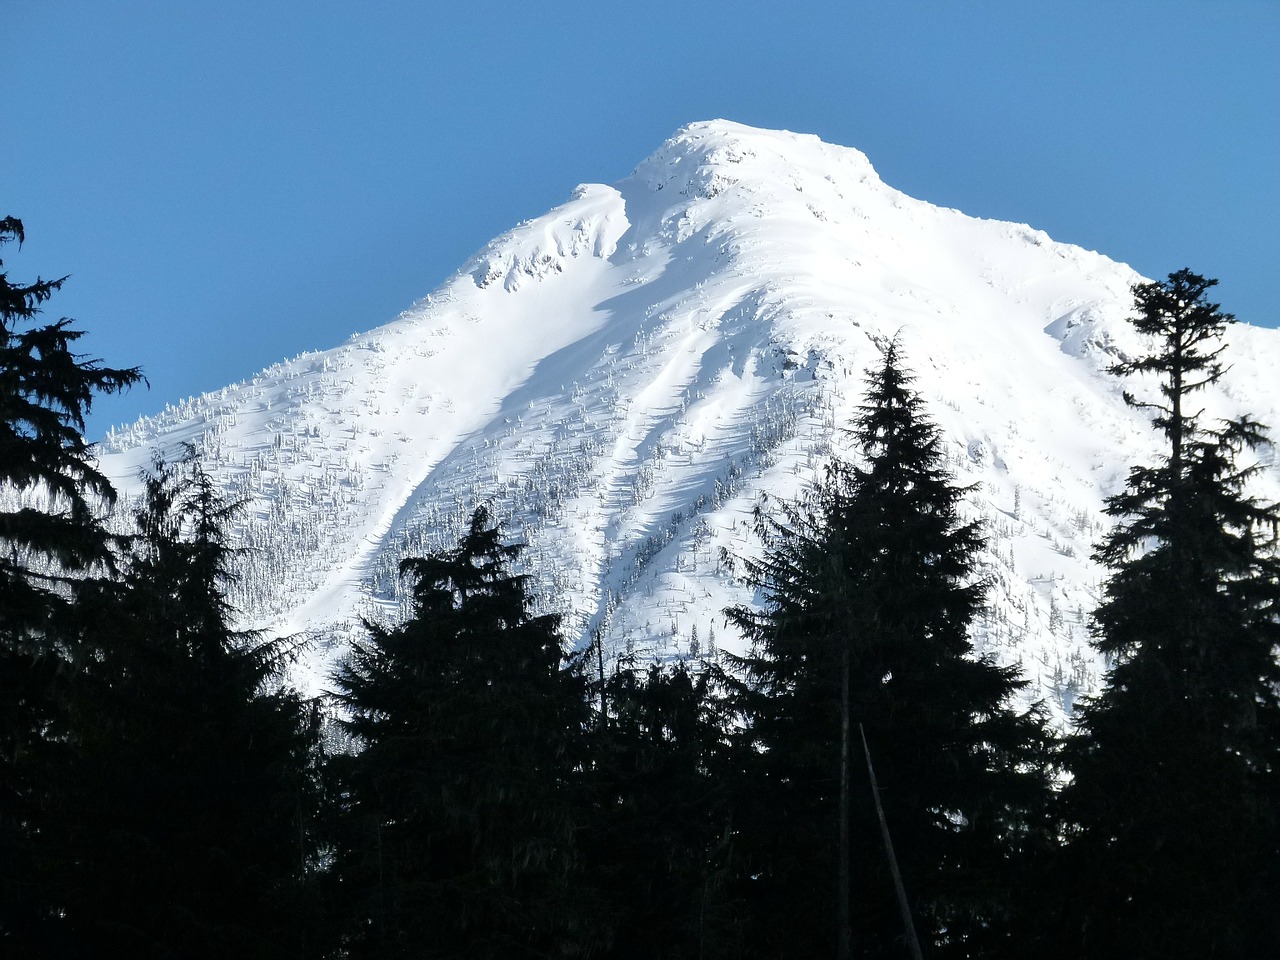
(232, 183)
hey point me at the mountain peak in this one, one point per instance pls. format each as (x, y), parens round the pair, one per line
(734, 150)
(722, 171)
(622, 378)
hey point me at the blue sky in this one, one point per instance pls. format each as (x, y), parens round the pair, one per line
(233, 183)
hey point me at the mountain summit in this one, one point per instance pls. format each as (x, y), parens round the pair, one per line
(622, 378)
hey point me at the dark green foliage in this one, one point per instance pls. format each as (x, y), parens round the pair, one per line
(51, 499)
(46, 391)
(456, 830)
(1173, 799)
(159, 795)
(657, 846)
(879, 567)
(181, 813)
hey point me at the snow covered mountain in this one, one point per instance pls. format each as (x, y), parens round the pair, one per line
(622, 378)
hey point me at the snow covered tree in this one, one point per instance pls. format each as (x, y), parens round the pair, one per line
(1176, 764)
(456, 827)
(871, 588)
(179, 822)
(52, 497)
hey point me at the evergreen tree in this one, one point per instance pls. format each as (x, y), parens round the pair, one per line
(870, 591)
(181, 814)
(52, 497)
(656, 844)
(457, 824)
(1174, 790)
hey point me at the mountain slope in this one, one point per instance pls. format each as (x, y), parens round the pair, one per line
(624, 376)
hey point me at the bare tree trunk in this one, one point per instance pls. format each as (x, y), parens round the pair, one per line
(844, 949)
(912, 942)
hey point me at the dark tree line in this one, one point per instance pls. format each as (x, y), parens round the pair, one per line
(871, 589)
(156, 779)
(858, 783)
(48, 540)
(1172, 808)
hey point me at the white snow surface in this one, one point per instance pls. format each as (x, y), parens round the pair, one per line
(622, 379)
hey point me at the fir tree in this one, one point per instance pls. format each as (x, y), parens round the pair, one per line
(52, 498)
(871, 588)
(1174, 791)
(456, 830)
(656, 844)
(181, 816)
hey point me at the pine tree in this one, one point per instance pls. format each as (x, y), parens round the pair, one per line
(871, 588)
(181, 816)
(52, 498)
(1174, 791)
(655, 846)
(457, 823)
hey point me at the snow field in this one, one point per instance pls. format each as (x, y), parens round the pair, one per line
(623, 378)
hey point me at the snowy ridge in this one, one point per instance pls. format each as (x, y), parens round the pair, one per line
(623, 378)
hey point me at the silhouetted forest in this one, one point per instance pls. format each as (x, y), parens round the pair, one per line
(858, 783)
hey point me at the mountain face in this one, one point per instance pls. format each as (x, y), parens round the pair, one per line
(624, 377)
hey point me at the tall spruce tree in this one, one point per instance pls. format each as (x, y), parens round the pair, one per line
(181, 811)
(52, 498)
(456, 830)
(1174, 797)
(871, 587)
